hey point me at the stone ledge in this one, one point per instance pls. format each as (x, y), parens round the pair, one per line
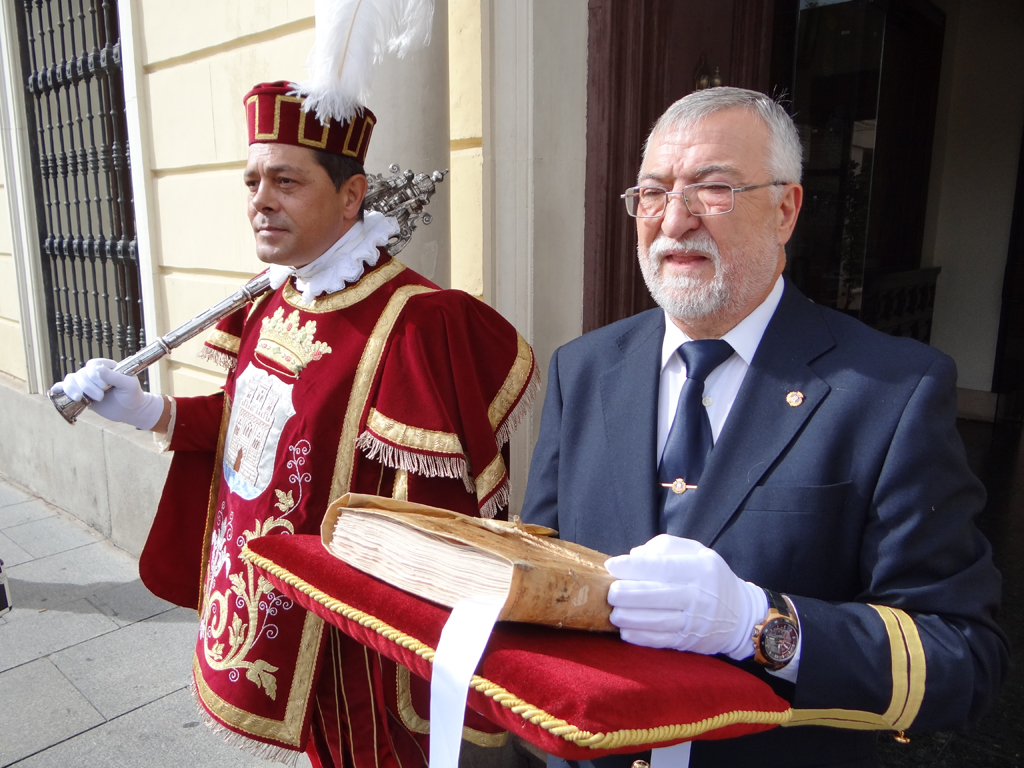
(107, 475)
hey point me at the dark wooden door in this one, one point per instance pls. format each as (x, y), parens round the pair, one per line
(643, 55)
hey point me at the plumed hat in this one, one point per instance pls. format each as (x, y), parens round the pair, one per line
(328, 110)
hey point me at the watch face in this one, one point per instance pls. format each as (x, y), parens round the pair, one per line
(778, 640)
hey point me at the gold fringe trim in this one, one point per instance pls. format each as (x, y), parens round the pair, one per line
(518, 376)
(425, 465)
(257, 749)
(536, 715)
(400, 490)
(493, 481)
(413, 438)
(224, 341)
(515, 418)
(366, 371)
(497, 502)
(218, 358)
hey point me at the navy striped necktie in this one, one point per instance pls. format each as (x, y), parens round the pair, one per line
(689, 440)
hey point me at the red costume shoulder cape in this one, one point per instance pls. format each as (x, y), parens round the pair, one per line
(390, 387)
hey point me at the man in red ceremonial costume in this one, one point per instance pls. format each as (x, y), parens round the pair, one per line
(353, 374)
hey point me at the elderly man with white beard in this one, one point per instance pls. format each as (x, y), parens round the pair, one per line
(778, 484)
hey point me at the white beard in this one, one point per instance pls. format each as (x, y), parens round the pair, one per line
(692, 299)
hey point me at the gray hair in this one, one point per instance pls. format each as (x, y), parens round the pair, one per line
(785, 153)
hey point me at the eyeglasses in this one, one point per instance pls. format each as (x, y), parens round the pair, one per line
(711, 198)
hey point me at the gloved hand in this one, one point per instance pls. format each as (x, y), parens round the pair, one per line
(124, 401)
(677, 593)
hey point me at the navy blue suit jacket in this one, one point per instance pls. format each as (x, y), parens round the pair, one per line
(859, 496)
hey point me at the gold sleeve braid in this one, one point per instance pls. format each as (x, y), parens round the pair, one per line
(909, 670)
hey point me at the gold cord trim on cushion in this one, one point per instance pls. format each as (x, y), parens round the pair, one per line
(288, 730)
(346, 297)
(493, 477)
(908, 682)
(524, 374)
(613, 740)
(366, 371)
(416, 724)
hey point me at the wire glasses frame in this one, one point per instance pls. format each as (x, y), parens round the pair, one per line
(712, 198)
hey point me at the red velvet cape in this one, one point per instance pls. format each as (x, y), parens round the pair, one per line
(389, 386)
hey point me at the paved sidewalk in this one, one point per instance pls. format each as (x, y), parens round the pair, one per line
(94, 670)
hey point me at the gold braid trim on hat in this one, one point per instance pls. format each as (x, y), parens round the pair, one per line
(536, 715)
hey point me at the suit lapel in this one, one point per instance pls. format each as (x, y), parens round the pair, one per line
(629, 400)
(762, 423)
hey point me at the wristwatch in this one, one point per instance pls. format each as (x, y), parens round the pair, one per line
(775, 638)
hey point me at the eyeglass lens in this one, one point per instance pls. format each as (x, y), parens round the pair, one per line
(700, 200)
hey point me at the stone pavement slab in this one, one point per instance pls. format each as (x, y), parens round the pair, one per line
(128, 603)
(9, 495)
(121, 671)
(50, 535)
(39, 708)
(54, 581)
(94, 669)
(25, 638)
(11, 553)
(164, 734)
(24, 512)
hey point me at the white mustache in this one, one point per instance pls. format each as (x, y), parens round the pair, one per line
(694, 242)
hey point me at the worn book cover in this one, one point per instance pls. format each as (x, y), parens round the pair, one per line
(445, 556)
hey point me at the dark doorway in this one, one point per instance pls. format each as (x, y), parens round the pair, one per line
(1008, 376)
(863, 82)
(863, 77)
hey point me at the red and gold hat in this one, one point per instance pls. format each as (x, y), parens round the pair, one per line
(276, 116)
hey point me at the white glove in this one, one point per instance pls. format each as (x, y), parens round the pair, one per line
(114, 395)
(677, 593)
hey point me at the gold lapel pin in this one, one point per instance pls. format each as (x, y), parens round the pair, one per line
(679, 486)
(795, 398)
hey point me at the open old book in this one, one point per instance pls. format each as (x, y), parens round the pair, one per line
(445, 556)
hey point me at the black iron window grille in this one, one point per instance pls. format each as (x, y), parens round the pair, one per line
(71, 59)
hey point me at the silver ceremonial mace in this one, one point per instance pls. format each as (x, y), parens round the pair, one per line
(402, 196)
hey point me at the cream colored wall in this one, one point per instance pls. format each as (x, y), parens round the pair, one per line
(12, 350)
(974, 165)
(466, 125)
(193, 79)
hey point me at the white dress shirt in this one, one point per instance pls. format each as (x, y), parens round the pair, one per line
(720, 388)
(724, 382)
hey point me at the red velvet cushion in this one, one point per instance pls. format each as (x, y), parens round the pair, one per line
(578, 695)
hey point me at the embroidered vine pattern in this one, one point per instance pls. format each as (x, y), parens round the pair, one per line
(251, 594)
(299, 452)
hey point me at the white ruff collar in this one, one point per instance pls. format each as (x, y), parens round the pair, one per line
(343, 262)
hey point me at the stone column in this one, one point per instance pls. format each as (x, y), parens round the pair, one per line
(410, 100)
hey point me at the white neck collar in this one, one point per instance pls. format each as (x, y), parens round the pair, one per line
(343, 262)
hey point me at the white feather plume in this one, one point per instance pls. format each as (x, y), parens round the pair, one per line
(351, 36)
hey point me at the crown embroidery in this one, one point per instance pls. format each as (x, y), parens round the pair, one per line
(288, 343)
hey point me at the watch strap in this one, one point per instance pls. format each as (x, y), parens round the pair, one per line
(779, 603)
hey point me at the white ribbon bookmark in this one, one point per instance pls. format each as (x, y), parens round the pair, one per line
(676, 756)
(462, 643)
